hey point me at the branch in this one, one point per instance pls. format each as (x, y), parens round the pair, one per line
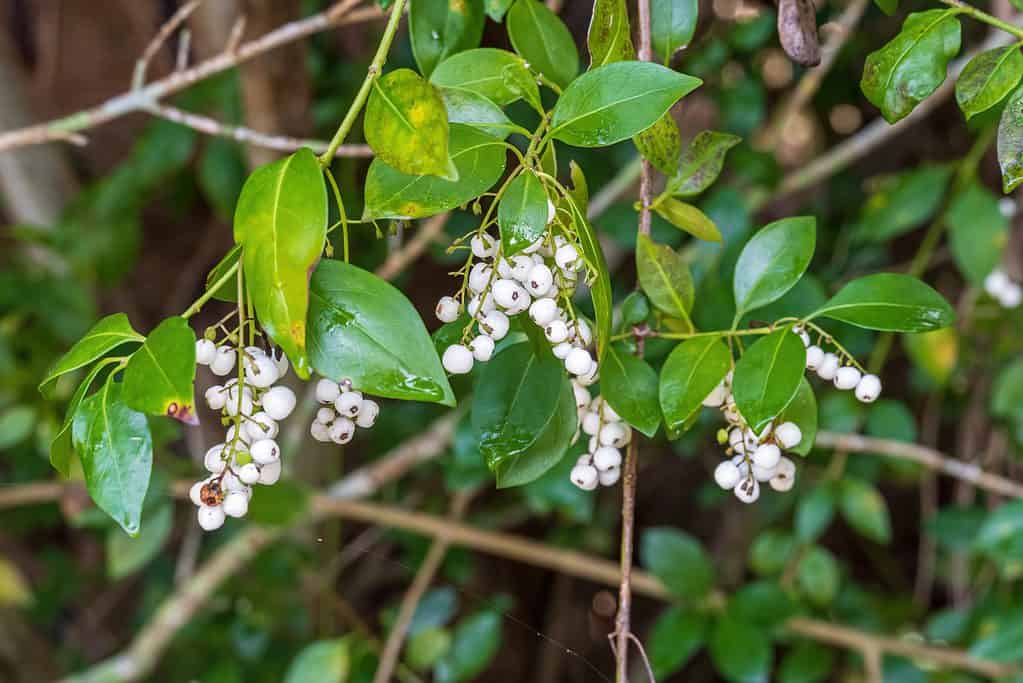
(70, 127)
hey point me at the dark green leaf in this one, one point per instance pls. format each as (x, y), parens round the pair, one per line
(1010, 142)
(864, 509)
(543, 40)
(126, 554)
(426, 647)
(694, 368)
(904, 72)
(629, 385)
(771, 551)
(498, 75)
(616, 101)
(228, 291)
(221, 175)
(16, 423)
(600, 286)
(676, 636)
(803, 412)
(477, 639)
(978, 232)
(763, 604)
(678, 560)
(768, 376)
(281, 223)
(104, 337)
(818, 575)
(363, 329)
(496, 9)
(672, 24)
(116, 450)
(62, 448)
(1007, 393)
(473, 109)
(988, 78)
(609, 38)
(889, 7)
(522, 213)
(661, 144)
(1000, 638)
(159, 376)
(890, 302)
(478, 157)
(701, 163)
(325, 661)
(903, 202)
(740, 651)
(664, 277)
(772, 262)
(814, 513)
(806, 662)
(440, 28)
(407, 125)
(688, 218)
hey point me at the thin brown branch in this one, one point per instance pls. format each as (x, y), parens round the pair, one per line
(428, 232)
(158, 41)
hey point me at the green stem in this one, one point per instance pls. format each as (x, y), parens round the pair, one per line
(341, 212)
(983, 16)
(375, 67)
(210, 291)
(696, 335)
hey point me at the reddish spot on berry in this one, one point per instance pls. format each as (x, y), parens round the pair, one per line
(211, 494)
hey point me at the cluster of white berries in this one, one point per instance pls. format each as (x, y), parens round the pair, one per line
(602, 463)
(1002, 289)
(533, 281)
(249, 455)
(343, 409)
(830, 368)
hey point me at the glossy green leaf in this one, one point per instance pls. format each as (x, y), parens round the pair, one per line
(665, 278)
(701, 163)
(325, 661)
(978, 232)
(772, 262)
(817, 574)
(519, 413)
(128, 554)
(62, 446)
(593, 253)
(522, 213)
(908, 69)
(116, 450)
(543, 40)
(688, 218)
(803, 412)
(903, 202)
(814, 513)
(678, 560)
(1010, 142)
(498, 75)
(281, 223)
(614, 102)
(806, 662)
(768, 375)
(891, 302)
(160, 375)
(694, 368)
(477, 640)
(479, 158)
(472, 109)
(672, 24)
(629, 385)
(228, 291)
(988, 78)
(363, 329)
(676, 636)
(407, 125)
(661, 144)
(864, 509)
(609, 37)
(105, 336)
(440, 28)
(496, 9)
(741, 652)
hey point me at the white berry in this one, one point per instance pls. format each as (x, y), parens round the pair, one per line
(368, 415)
(716, 398)
(788, 435)
(260, 371)
(342, 430)
(585, 477)
(609, 477)
(195, 492)
(248, 473)
(543, 311)
(270, 473)
(578, 361)
(482, 245)
(264, 451)
(562, 350)
(847, 378)
(784, 477)
(868, 389)
(766, 456)
(814, 357)
(566, 257)
(216, 397)
(747, 490)
(591, 423)
(349, 404)
(319, 431)
(727, 475)
(205, 351)
(828, 367)
(479, 276)
(457, 359)
(521, 264)
(279, 402)
(606, 457)
(447, 309)
(996, 282)
(236, 504)
(495, 324)
(327, 390)
(211, 518)
(556, 331)
(214, 459)
(508, 293)
(223, 362)
(482, 348)
(540, 280)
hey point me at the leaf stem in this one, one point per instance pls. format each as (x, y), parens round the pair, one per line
(980, 15)
(372, 73)
(341, 212)
(210, 291)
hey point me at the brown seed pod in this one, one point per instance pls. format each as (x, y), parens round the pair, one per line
(797, 31)
(211, 494)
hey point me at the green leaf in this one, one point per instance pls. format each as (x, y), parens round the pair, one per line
(772, 262)
(16, 423)
(15, 590)
(908, 69)
(678, 560)
(325, 661)
(763, 604)
(864, 509)
(701, 163)
(768, 376)
(741, 652)
(498, 75)
(676, 636)
(1003, 525)
(629, 385)
(1007, 393)
(519, 413)
(407, 125)
(363, 329)
(889, 7)
(1000, 638)
(806, 662)
(688, 218)
(116, 450)
(609, 38)
(978, 232)
(903, 202)
(496, 9)
(988, 78)
(661, 144)
(160, 375)
(426, 647)
(479, 158)
(814, 513)
(221, 174)
(440, 28)
(672, 24)
(665, 278)
(281, 223)
(890, 302)
(522, 213)
(771, 551)
(600, 279)
(616, 101)
(543, 40)
(473, 109)
(803, 412)
(105, 336)
(228, 291)
(935, 353)
(817, 574)
(126, 554)
(694, 368)
(61, 447)
(477, 639)
(1010, 142)
(282, 504)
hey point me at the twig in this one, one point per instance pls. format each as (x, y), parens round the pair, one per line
(69, 127)
(170, 26)
(428, 233)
